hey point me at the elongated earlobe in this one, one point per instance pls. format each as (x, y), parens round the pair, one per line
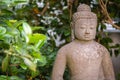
(72, 31)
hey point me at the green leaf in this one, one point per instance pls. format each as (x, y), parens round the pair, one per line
(15, 78)
(37, 39)
(7, 38)
(107, 40)
(18, 23)
(27, 29)
(39, 44)
(4, 11)
(29, 63)
(5, 63)
(23, 66)
(41, 61)
(34, 28)
(34, 74)
(25, 36)
(27, 55)
(21, 1)
(2, 30)
(9, 24)
(14, 32)
(12, 21)
(103, 26)
(36, 55)
(3, 77)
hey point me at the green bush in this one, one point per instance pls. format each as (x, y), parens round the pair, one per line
(20, 49)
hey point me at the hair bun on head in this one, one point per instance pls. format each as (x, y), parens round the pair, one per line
(84, 12)
(83, 7)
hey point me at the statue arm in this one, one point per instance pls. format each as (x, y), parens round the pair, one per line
(59, 66)
(107, 66)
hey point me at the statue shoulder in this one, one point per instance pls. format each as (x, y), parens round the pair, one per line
(101, 48)
(64, 49)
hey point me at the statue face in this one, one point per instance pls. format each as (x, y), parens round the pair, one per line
(85, 29)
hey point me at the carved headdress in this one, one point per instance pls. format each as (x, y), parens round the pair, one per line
(84, 12)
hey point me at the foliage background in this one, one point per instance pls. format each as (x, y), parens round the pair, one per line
(52, 18)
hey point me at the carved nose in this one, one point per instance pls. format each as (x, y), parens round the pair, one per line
(87, 31)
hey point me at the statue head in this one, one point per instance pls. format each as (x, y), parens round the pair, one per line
(84, 23)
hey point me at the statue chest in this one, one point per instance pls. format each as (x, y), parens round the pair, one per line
(84, 55)
(83, 61)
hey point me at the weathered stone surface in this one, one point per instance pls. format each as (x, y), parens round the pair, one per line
(85, 58)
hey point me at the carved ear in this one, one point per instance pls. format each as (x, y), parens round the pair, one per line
(72, 31)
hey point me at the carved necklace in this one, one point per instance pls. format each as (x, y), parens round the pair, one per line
(88, 51)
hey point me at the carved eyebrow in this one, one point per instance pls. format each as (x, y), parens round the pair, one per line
(92, 27)
(82, 27)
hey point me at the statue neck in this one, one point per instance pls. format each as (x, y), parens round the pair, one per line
(83, 42)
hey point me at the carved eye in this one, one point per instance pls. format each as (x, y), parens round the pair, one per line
(91, 27)
(82, 27)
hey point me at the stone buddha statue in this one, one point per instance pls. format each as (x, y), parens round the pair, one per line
(85, 58)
